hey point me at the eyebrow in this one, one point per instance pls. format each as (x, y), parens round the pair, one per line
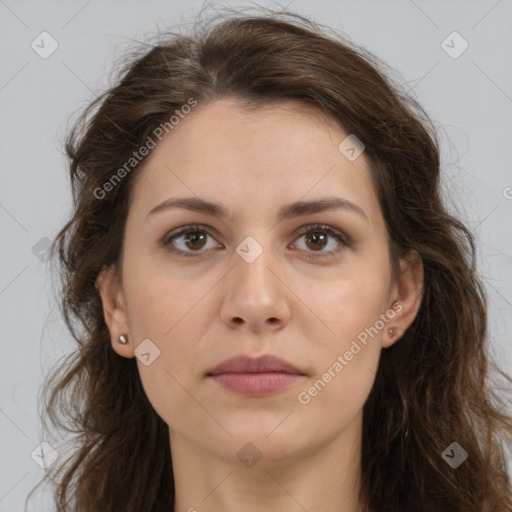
(288, 211)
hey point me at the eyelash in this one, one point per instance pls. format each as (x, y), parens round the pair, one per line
(314, 228)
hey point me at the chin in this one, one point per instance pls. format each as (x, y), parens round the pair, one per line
(275, 440)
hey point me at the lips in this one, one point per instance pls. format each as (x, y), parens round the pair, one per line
(255, 377)
(263, 364)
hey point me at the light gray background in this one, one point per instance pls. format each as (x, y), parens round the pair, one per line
(470, 98)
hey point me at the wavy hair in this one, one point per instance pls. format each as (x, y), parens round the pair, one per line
(433, 387)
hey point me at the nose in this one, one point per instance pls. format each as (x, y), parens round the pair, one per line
(255, 295)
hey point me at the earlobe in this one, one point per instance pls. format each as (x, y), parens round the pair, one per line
(406, 297)
(114, 310)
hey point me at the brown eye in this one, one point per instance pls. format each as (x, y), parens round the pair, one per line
(195, 240)
(316, 241)
(188, 241)
(318, 237)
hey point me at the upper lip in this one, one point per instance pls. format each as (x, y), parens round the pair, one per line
(247, 364)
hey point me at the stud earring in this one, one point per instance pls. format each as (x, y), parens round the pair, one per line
(123, 339)
(392, 332)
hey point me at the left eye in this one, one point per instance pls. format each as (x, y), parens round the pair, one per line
(317, 237)
(194, 238)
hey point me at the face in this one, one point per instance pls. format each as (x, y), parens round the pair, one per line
(313, 287)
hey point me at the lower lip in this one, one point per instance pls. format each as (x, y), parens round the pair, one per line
(256, 384)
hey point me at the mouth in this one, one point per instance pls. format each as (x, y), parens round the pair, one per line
(261, 376)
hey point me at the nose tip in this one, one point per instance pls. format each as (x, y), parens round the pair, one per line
(254, 294)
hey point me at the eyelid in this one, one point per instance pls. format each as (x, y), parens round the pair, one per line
(341, 237)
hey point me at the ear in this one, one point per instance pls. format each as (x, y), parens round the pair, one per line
(407, 292)
(110, 288)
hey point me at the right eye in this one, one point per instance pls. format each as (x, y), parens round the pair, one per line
(189, 239)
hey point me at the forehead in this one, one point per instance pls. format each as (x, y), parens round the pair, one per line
(226, 124)
(276, 154)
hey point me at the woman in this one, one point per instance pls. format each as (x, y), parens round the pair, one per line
(274, 309)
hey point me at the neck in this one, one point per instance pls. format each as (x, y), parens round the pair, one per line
(322, 478)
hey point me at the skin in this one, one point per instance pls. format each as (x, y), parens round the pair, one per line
(203, 309)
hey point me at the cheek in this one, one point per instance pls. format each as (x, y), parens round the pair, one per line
(174, 314)
(350, 302)
(161, 301)
(346, 362)
(354, 315)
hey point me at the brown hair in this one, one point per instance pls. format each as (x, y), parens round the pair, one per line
(432, 388)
